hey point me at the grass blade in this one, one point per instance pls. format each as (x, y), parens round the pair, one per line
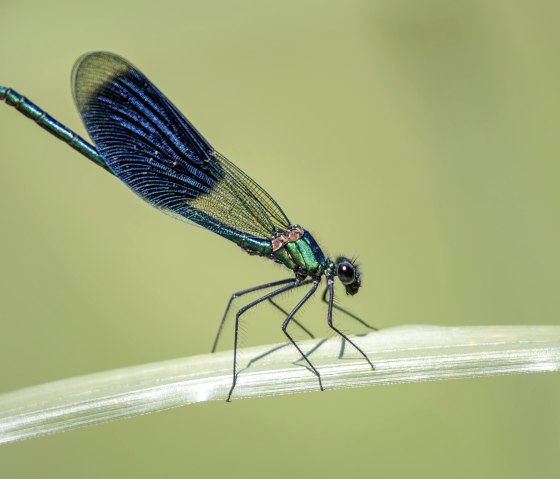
(402, 354)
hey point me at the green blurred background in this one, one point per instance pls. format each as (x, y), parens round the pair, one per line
(429, 131)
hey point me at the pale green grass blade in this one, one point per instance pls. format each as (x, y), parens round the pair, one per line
(408, 353)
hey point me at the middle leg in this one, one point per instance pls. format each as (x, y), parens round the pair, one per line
(285, 330)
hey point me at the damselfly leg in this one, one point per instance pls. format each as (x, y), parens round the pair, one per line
(239, 294)
(295, 284)
(330, 288)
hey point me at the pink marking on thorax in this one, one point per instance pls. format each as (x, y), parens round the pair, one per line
(293, 234)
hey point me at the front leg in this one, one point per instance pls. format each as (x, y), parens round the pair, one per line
(345, 311)
(330, 288)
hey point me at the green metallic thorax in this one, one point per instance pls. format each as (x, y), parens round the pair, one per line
(302, 254)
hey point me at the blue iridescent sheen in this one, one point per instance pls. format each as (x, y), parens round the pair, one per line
(159, 154)
(145, 141)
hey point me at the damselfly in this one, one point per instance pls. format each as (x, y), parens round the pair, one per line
(145, 141)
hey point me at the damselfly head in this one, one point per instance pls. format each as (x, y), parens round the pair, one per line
(348, 274)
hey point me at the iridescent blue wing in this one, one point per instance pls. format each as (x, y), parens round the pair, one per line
(149, 145)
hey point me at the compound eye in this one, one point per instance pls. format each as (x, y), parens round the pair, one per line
(346, 273)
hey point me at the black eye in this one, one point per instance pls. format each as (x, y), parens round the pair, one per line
(346, 273)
